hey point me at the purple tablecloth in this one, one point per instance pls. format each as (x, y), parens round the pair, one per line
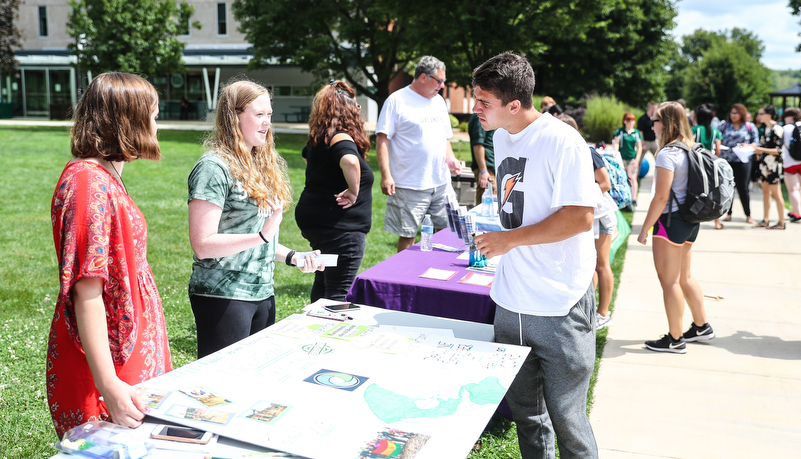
(395, 284)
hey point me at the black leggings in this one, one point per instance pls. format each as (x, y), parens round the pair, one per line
(224, 321)
(334, 283)
(742, 175)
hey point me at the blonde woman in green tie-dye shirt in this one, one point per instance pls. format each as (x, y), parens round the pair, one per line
(238, 191)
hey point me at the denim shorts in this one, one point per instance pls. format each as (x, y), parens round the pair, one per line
(604, 230)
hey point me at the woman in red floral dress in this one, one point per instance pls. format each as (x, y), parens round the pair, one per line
(108, 330)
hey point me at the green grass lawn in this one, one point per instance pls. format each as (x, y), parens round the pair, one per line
(32, 160)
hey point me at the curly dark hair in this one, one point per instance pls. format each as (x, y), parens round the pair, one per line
(335, 109)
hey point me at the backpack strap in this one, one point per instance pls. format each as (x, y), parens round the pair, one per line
(681, 146)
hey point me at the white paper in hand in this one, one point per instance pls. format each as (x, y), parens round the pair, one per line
(328, 260)
(743, 152)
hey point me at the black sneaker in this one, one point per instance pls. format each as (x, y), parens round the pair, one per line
(696, 333)
(667, 344)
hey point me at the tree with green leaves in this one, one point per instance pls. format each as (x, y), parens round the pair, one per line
(10, 36)
(795, 6)
(622, 51)
(364, 42)
(575, 46)
(137, 36)
(726, 74)
(482, 30)
(722, 67)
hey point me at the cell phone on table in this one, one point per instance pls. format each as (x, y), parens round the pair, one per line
(182, 434)
(342, 307)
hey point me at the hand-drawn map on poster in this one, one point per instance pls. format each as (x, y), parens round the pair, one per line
(343, 390)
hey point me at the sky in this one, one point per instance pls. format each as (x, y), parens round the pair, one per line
(770, 20)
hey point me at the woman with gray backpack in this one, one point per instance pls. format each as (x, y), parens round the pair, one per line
(673, 235)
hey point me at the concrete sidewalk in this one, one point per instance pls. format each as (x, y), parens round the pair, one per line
(736, 396)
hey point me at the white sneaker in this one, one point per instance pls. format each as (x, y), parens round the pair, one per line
(602, 321)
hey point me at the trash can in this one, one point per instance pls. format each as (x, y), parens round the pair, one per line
(6, 111)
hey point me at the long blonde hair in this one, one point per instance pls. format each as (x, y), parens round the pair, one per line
(675, 126)
(263, 172)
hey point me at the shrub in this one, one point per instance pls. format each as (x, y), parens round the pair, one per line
(454, 122)
(537, 100)
(603, 115)
(463, 127)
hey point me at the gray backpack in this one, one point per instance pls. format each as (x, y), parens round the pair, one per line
(710, 185)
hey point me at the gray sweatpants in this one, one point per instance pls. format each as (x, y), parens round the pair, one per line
(550, 391)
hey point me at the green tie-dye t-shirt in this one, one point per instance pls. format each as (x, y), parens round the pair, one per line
(247, 275)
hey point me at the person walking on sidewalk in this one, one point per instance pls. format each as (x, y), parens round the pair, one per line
(770, 166)
(646, 129)
(674, 237)
(737, 131)
(628, 141)
(792, 166)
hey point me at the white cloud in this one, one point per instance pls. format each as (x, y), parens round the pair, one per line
(771, 22)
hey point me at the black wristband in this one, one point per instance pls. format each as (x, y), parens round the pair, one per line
(263, 238)
(289, 258)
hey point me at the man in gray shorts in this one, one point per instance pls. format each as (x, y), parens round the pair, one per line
(414, 153)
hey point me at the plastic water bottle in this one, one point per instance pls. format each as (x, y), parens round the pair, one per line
(427, 235)
(487, 202)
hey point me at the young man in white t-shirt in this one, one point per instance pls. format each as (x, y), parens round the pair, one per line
(414, 153)
(543, 286)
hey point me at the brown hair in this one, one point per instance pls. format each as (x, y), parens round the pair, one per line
(508, 77)
(569, 120)
(628, 116)
(794, 112)
(674, 124)
(548, 100)
(112, 119)
(335, 109)
(263, 172)
(739, 108)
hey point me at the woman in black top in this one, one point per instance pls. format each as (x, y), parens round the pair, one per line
(334, 212)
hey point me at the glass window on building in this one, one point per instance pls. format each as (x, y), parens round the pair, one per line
(222, 20)
(194, 86)
(183, 24)
(162, 87)
(60, 87)
(301, 91)
(42, 21)
(282, 90)
(36, 93)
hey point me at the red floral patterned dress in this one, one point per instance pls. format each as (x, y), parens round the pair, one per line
(99, 232)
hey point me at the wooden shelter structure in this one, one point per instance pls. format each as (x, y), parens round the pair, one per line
(793, 93)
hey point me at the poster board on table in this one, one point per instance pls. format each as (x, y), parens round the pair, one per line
(326, 389)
